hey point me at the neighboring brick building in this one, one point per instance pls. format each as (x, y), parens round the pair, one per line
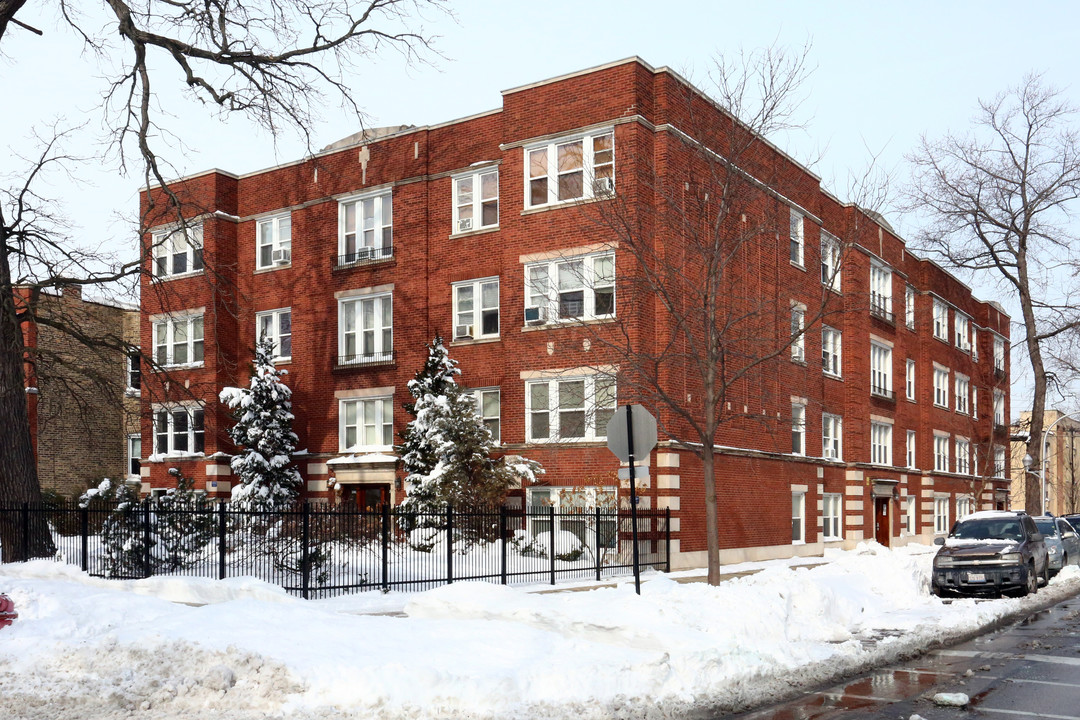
(80, 403)
(354, 258)
(1061, 456)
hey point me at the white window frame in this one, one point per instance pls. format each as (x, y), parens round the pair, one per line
(832, 517)
(133, 372)
(354, 305)
(273, 233)
(881, 370)
(962, 385)
(831, 351)
(941, 514)
(381, 231)
(999, 408)
(275, 331)
(797, 236)
(909, 307)
(963, 456)
(974, 402)
(173, 243)
(798, 332)
(131, 454)
(595, 418)
(910, 510)
(880, 443)
(964, 506)
(832, 436)
(798, 518)
(831, 249)
(594, 168)
(567, 517)
(912, 450)
(941, 452)
(941, 386)
(475, 315)
(489, 420)
(999, 354)
(909, 379)
(941, 319)
(962, 325)
(798, 428)
(999, 461)
(473, 203)
(543, 292)
(165, 331)
(192, 435)
(380, 406)
(881, 291)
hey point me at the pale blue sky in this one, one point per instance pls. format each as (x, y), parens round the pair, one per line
(885, 73)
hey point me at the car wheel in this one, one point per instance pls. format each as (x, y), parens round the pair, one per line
(1032, 585)
(1046, 575)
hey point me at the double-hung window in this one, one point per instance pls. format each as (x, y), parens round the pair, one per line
(366, 227)
(910, 508)
(941, 452)
(832, 516)
(962, 325)
(274, 241)
(276, 325)
(566, 170)
(798, 518)
(797, 235)
(941, 320)
(963, 456)
(880, 443)
(941, 515)
(179, 251)
(570, 408)
(909, 379)
(179, 430)
(941, 386)
(798, 428)
(999, 408)
(909, 307)
(881, 292)
(798, 337)
(999, 461)
(489, 411)
(179, 340)
(476, 309)
(366, 329)
(964, 506)
(830, 351)
(134, 456)
(830, 261)
(963, 391)
(476, 200)
(999, 357)
(134, 371)
(832, 432)
(911, 456)
(366, 424)
(881, 370)
(573, 288)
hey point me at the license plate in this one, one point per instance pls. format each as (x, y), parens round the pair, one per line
(976, 577)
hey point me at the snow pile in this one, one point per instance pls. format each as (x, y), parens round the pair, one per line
(107, 649)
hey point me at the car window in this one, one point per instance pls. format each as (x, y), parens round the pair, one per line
(1046, 527)
(988, 529)
(1064, 527)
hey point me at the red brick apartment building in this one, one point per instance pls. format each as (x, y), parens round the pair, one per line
(354, 258)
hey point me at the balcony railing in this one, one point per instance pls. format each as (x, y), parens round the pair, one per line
(879, 308)
(363, 256)
(999, 373)
(884, 393)
(346, 362)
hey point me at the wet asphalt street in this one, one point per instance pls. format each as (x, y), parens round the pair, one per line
(1028, 670)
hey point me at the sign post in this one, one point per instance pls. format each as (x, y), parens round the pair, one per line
(631, 433)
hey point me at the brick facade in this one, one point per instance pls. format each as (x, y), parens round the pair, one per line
(649, 113)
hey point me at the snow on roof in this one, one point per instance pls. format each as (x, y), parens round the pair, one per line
(369, 459)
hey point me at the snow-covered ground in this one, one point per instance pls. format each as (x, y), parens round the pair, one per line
(89, 648)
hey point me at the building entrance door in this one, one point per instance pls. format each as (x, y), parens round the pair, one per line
(368, 498)
(882, 525)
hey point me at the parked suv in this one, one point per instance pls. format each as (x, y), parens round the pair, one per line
(1062, 543)
(990, 553)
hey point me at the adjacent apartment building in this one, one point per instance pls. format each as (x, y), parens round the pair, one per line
(1061, 480)
(485, 230)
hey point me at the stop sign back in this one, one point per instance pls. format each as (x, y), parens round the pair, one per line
(642, 425)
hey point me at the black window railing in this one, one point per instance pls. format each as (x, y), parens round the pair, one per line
(879, 307)
(363, 256)
(359, 361)
(880, 391)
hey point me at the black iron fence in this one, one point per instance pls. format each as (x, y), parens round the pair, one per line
(318, 550)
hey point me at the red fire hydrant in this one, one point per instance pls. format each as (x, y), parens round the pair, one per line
(7, 611)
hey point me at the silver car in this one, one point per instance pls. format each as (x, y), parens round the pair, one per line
(1062, 542)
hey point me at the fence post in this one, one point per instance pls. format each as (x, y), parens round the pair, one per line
(597, 543)
(551, 517)
(146, 537)
(306, 571)
(449, 543)
(84, 533)
(25, 531)
(667, 538)
(386, 547)
(502, 543)
(221, 540)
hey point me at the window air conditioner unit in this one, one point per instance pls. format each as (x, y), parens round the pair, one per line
(535, 315)
(603, 186)
(364, 253)
(463, 331)
(282, 256)
(464, 225)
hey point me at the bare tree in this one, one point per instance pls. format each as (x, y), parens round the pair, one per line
(272, 61)
(999, 201)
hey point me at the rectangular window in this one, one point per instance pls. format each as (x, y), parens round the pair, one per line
(974, 343)
(999, 356)
(365, 228)
(134, 455)
(830, 261)
(941, 386)
(881, 370)
(941, 515)
(962, 325)
(941, 453)
(963, 392)
(830, 351)
(568, 170)
(569, 408)
(576, 288)
(798, 337)
(570, 504)
(941, 320)
(912, 459)
(476, 201)
(999, 461)
(832, 516)
(179, 341)
(476, 309)
(798, 518)
(832, 431)
(963, 456)
(881, 292)
(909, 380)
(366, 425)
(488, 409)
(880, 443)
(964, 507)
(134, 370)
(909, 307)
(999, 408)
(273, 240)
(910, 505)
(177, 252)
(797, 235)
(366, 329)
(798, 428)
(179, 430)
(974, 402)
(277, 326)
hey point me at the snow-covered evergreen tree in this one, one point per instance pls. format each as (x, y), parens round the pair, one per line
(263, 432)
(446, 449)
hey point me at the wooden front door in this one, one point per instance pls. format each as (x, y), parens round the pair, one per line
(882, 524)
(367, 498)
